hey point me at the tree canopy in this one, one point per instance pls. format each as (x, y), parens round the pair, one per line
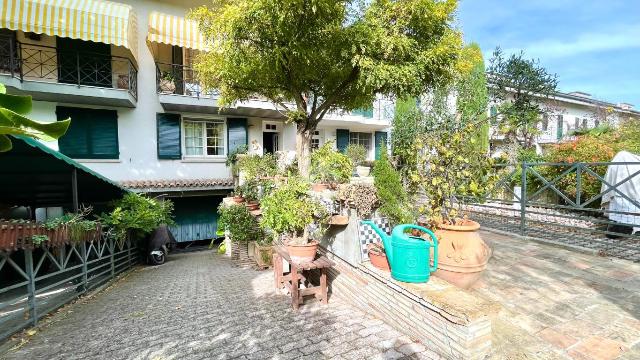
(310, 57)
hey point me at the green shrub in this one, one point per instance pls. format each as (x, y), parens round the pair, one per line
(238, 221)
(394, 200)
(356, 153)
(138, 215)
(330, 166)
(255, 167)
(289, 210)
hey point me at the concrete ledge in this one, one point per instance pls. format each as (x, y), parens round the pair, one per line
(450, 321)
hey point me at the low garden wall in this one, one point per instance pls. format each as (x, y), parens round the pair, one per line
(450, 321)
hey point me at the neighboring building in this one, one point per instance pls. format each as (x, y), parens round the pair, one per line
(569, 112)
(123, 72)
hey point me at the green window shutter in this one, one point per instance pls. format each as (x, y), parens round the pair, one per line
(381, 143)
(342, 139)
(559, 127)
(93, 133)
(168, 132)
(236, 134)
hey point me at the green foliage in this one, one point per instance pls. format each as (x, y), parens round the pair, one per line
(356, 153)
(393, 197)
(325, 55)
(13, 121)
(232, 157)
(472, 97)
(39, 239)
(448, 168)
(330, 166)
(406, 125)
(256, 167)
(77, 224)
(289, 210)
(138, 215)
(361, 196)
(238, 221)
(520, 87)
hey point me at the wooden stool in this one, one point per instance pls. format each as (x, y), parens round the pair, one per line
(292, 280)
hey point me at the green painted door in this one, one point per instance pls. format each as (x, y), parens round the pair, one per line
(196, 217)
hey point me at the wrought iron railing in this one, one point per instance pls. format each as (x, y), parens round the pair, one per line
(562, 203)
(35, 280)
(29, 62)
(180, 80)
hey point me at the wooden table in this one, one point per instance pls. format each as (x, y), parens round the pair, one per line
(297, 275)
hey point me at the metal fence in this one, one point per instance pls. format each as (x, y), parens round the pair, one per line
(36, 281)
(562, 203)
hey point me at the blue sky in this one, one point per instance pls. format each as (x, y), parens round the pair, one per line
(592, 45)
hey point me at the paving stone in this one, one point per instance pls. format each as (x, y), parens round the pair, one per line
(557, 338)
(198, 306)
(597, 348)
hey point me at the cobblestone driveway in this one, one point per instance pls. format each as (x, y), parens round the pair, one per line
(198, 306)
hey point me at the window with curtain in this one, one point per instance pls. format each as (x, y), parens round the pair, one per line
(204, 138)
(360, 138)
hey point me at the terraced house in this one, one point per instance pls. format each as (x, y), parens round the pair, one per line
(123, 71)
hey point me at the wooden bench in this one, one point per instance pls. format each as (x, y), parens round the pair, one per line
(297, 275)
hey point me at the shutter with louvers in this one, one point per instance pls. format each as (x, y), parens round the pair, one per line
(103, 136)
(381, 143)
(93, 133)
(168, 132)
(74, 143)
(342, 139)
(236, 134)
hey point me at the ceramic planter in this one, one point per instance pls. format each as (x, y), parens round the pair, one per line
(363, 171)
(167, 86)
(302, 253)
(238, 199)
(379, 259)
(263, 255)
(462, 254)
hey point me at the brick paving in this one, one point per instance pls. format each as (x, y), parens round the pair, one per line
(199, 306)
(561, 304)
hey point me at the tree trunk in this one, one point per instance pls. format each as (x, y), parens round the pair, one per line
(303, 150)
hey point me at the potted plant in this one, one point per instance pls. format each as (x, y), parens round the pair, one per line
(360, 196)
(329, 167)
(241, 226)
(449, 167)
(250, 192)
(167, 82)
(393, 197)
(289, 211)
(378, 257)
(358, 154)
(123, 81)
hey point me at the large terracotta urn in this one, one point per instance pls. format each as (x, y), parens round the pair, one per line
(462, 254)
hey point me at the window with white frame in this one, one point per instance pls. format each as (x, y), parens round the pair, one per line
(204, 138)
(361, 138)
(315, 140)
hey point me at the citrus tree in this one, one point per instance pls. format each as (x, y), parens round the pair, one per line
(311, 57)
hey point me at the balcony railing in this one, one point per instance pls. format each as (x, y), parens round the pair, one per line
(181, 80)
(29, 62)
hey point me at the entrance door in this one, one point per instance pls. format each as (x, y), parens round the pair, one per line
(84, 62)
(196, 218)
(270, 142)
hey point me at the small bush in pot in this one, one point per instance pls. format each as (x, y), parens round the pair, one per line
(289, 211)
(328, 166)
(393, 197)
(358, 154)
(238, 221)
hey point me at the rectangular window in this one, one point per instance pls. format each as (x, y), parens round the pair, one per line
(585, 123)
(204, 138)
(576, 124)
(315, 140)
(545, 122)
(361, 138)
(93, 133)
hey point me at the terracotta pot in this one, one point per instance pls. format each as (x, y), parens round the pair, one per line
(263, 255)
(252, 205)
(319, 187)
(302, 253)
(462, 254)
(339, 220)
(238, 199)
(363, 171)
(379, 260)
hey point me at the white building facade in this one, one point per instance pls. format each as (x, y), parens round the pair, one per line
(123, 72)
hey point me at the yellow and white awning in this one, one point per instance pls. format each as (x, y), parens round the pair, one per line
(175, 30)
(93, 20)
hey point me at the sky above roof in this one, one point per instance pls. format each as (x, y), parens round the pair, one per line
(592, 45)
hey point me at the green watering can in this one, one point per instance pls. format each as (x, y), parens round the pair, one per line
(408, 255)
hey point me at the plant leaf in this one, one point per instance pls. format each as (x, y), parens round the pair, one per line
(17, 103)
(5, 143)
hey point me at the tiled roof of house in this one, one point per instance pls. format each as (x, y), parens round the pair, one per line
(169, 184)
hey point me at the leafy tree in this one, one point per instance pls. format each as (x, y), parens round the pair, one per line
(521, 88)
(394, 200)
(13, 121)
(310, 57)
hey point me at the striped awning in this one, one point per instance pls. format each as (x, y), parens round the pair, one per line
(175, 30)
(93, 20)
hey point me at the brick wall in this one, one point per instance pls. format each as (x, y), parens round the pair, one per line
(447, 320)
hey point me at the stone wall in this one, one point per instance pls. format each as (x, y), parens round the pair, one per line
(447, 320)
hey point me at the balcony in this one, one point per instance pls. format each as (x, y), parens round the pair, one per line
(179, 89)
(50, 74)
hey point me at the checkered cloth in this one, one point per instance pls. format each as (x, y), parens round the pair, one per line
(368, 235)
